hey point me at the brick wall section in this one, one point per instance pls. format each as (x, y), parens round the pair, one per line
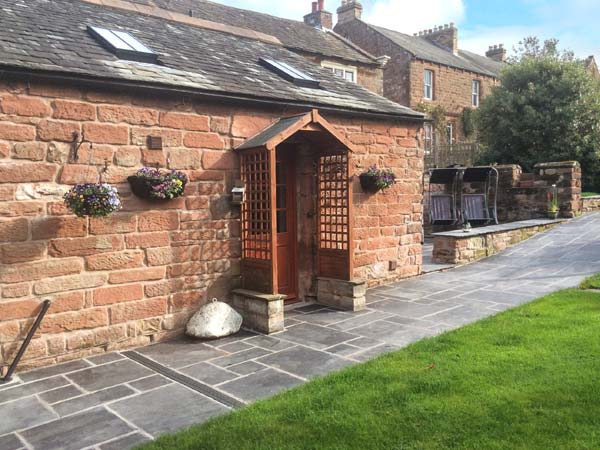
(403, 75)
(452, 89)
(388, 224)
(466, 249)
(396, 74)
(590, 204)
(136, 276)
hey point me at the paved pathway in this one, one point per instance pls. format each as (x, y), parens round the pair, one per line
(114, 402)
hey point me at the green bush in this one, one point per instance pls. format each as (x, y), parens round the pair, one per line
(547, 109)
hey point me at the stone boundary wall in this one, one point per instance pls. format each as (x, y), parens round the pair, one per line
(136, 277)
(524, 196)
(462, 248)
(590, 204)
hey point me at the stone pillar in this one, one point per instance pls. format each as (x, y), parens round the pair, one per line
(566, 176)
(340, 294)
(261, 312)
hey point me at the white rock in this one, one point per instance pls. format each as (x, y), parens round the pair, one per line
(214, 320)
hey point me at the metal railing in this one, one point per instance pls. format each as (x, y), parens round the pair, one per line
(444, 155)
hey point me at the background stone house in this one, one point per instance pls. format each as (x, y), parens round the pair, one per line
(314, 38)
(136, 276)
(427, 70)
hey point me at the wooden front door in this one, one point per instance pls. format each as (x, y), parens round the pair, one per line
(287, 272)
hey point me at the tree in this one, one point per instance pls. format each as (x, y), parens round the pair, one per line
(546, 109)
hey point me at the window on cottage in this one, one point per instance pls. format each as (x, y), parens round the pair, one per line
(428, 82)
(347, 73)
(428, 131)
(450, 133)
(475, 94)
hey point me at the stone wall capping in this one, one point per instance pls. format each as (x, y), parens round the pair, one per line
(494, 229)
(259, 295)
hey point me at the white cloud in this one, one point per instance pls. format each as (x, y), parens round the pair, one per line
(410, 16)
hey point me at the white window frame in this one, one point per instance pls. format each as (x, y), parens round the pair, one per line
(428, 137)
(450, 132)
(345, 71)
(475, 93)
(428, 84)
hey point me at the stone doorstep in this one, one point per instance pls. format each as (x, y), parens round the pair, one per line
(261, 312)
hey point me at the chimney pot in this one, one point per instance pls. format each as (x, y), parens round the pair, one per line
(452, 24)
(349, 11)
(321, 4)
(314, 6)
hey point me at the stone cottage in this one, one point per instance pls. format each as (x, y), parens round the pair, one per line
(427, 69)
(92, 90)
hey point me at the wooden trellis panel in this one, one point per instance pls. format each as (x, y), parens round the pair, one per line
(334, 219)
(256, 215)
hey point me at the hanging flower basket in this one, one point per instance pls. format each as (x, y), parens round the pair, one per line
(154, 184)
(93, 200)
(375, 179)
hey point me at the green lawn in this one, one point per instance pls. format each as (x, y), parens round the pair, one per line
(589, 194)
(526, 379)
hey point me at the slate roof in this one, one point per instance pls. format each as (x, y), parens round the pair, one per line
(51, 36)
(424, 49)
(292, 33)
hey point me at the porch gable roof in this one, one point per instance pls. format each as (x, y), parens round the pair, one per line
(286, 127)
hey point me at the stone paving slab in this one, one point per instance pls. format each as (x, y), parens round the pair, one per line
(116, 403)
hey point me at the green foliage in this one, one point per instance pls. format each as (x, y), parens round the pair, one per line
(525, 379)
(437, 114)
(547, 109)
(531, 48)
(468, 122)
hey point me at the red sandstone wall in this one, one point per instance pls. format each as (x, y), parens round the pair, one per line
(451, 89)
(136, 276)
(388, 224)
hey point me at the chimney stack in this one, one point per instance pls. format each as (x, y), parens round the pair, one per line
(349, 11)
(319, 18)
(444, 36)
(497, 53)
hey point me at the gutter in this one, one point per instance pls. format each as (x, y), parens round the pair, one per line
(208, 95)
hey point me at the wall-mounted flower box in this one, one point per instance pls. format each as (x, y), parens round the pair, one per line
(154, 184)
(375, 179)
(93, 200)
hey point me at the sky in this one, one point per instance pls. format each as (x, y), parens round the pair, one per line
(481, 23)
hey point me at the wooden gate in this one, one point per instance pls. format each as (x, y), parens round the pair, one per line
(334, 220)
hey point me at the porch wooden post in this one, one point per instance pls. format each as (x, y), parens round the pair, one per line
(350, 171)
(273, 192)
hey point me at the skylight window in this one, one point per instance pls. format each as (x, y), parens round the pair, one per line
(123, 45)
(290, 73)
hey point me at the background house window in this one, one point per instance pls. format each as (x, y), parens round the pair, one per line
(428, 77)
(450, 133)
(347, 73)
(476, 89)
(428, 131)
